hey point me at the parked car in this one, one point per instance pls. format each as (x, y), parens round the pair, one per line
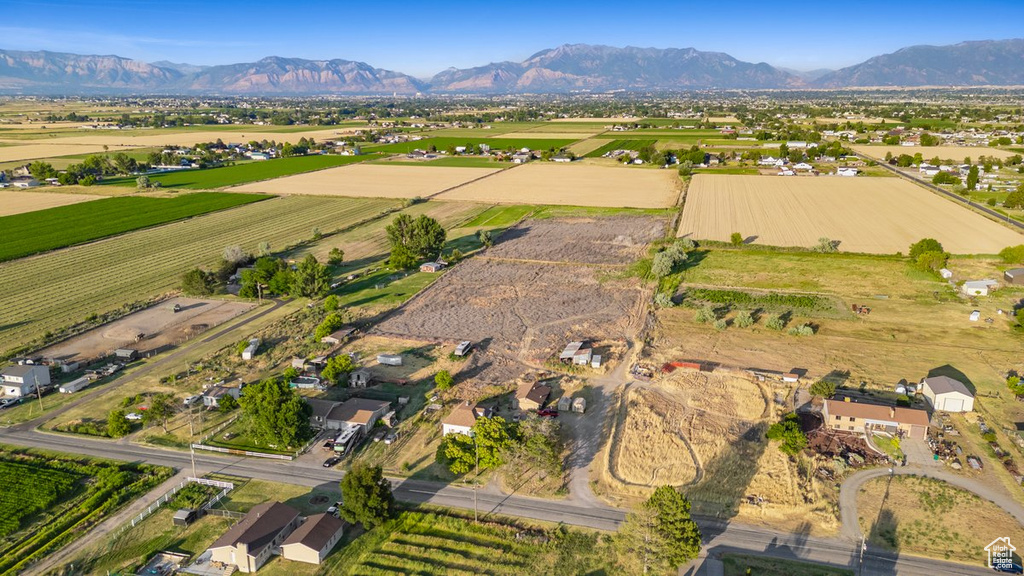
(5, 402)
(1013, 568)
(192, 399)
(331, 461)
(548, 412)
(133, 416)
(333, 510)
(391, 437)
(379, 436)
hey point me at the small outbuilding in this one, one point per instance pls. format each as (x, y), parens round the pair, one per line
(946, 273)
(338, 336)
(979, 287)
(126, 354)
(75, 385)
(975, 316)
(1014, 276)
(947, 394)
(564, 404)
(463, 348)
(389, 359)
(431, 267)
(360, 378)
(250, 351)
(579, 405)
(184, 517)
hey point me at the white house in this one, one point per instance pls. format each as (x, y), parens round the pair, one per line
(978, 287)
(803, 166)
(946, 394)
(847, 172)
(22, 379)
(462, 418)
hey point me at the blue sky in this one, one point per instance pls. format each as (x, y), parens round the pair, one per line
(423, 38)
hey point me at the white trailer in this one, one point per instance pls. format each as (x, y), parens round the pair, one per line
(75, 385)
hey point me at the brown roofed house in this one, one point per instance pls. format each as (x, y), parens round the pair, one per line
(862, 418)
(248, 544)
(314, 540)
(531, 396)
(462, 418)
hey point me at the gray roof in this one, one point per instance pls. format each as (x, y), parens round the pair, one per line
(321, 408)
(357, 410)
(1015, 272)
(944, 384)
(259, 527)
(20, 370)
(315, 532)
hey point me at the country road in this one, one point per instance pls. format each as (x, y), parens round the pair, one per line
(719, 536)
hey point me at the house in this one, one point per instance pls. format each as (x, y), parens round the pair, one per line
(21, 380)
(338, 336)
(861, 418)
(561, 158)
(319, 411)
(360, 378)
(847, 172)
(1014, 276)
(248, 545)
(431, 267)
(947, 394)
(803, 166)
(461, 419)
(945, 273)
(787, 172)
(521, 157)
(250, 350)
(531, 396)
(313, 540)
(978, 287)
(389, 359)
(214, 394)
(356, 413)
(463, 348)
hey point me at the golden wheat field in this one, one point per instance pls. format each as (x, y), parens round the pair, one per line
(955, 153)
(576, 184)
(371, 181)
(21, 202)
(873, 215)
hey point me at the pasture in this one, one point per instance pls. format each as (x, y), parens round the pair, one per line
(371, 181)
(33, 150)
(574, 185)
(43, 230)
(245, 172)
(62, 288)
(22, 202)
(876, 215)
(953, 153)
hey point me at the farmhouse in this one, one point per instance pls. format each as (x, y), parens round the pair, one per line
(312, 541)
(319, 411)
(214, 394)
(356, 413)
(22, 379)
(462, 418)
(947, 394)
(248, 544)
(978, 287)
(1014, 276)
(531, 396)
(847, 172)
(861, 418)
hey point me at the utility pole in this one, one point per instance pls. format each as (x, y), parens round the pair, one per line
(39, 393)
(192, 441)
(476, 480)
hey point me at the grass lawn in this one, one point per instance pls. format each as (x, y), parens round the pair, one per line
(248, 493)
(385, 287)
(42, 230)
(620, 144)
(245, 172)
(240, 440)
(743, 565)
(498, 216)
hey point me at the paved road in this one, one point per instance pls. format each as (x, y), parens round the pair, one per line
(719, 536)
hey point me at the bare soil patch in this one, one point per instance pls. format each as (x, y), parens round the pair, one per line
(370, 180)
(160, 325)
(21, 202)
(956, 153)
(873, 215)
(576, 184)
(612, 240)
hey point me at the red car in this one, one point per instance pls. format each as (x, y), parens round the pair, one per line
(549, 412)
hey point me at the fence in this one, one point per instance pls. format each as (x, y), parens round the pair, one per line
(225, 488)
(217, 429)
(243, 452)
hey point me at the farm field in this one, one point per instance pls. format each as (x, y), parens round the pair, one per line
(584, 147)
(52, 499)
(570, 135)
(441, 143)
(21, 202)
(619, 145)
(574, 185)
(449, 162)
(878, 215)
(137, 138)
(371, 181)
(43, 230)
(64, 287)
(245, 173)
(954, 153)
(31, 150)
(614, 240)
(931, 518)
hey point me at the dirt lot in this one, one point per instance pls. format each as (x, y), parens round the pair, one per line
(21, 202)
(30, 151)
(160, 324)
(874, 215)
(956, 153)
(614, 240)
(371, 181)
(576, 184)
(522, 313)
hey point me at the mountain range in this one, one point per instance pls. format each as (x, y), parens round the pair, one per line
(567, 68)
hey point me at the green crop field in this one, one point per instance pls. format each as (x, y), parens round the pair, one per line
(62, 288)
(245, 173)
(45, 505)
(442, 143)
(631, 144)
(42, 230)
(499, 216)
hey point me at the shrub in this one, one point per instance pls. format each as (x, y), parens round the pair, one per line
(736, 239)
(788, 432)
(1013, 254)
(663, 300)
(721, 324)
(331, 303)
(823, 388)
(775, 322)
(705, 315)
(802, 330)
(744, 319)
(336, 256)
(826, 245)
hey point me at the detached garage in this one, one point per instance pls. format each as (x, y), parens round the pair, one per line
(947, 395)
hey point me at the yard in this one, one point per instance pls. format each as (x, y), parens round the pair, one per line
(743, 565)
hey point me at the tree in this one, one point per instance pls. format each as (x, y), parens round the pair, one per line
(274, 414)
(227, 403)
(336, 257)
(1015, 199)
(235, 254)
(331, 303)
(312, 279)
(41, 170)
(263, 250)
(638, 542)
(366, 496)
(945, 178)
(443, 380)
(118, 425)
(972, 178)
(744, 319)
(681, 536)
(401, 257)
(823, 388)
(1013, 254)
(736, 239)
(924, 245)
(332, 322)
(662, 265)
(410, 239)
(142, 182)
(336, 367)
(1015, 386)
(197, 282)
(659, 536)
(826, 245)
(489, 440)
(159, 410)
(788, 432)
(485, 238)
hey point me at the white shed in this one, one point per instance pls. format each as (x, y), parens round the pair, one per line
(946, 394)
(389, 359)
(75, 385)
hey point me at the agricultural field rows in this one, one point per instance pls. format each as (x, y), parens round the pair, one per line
(373, 181)
(64, 287)
(63, 226)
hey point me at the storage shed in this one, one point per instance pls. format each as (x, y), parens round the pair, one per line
(126, 354)
(579, 405)
(947, 394)
(463, 348)
(564, 404)
(389, 359)
(250, 351)
(75, 385)
(1014, 276)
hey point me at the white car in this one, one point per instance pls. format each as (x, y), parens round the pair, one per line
(133, 416)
